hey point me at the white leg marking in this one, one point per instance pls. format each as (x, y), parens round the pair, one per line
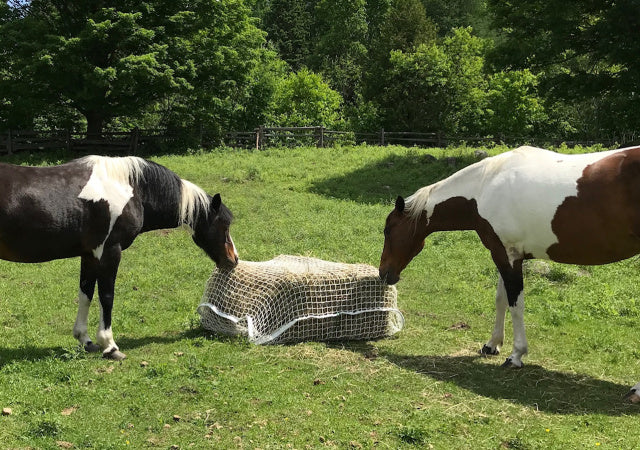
(80, 327)
(497, 337)
(104, 337)
(519, 335)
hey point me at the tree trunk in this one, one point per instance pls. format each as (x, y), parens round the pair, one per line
(95, 123)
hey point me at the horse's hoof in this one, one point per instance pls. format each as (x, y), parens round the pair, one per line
(632, 396)
(510, 365)
(486, 350)
(91, 347)
(115, 355)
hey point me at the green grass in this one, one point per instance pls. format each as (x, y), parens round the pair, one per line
(425, 388)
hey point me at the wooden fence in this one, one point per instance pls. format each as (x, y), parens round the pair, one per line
(125, 142)
(132, 142)
(321, 137)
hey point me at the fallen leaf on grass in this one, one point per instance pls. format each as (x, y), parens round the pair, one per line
(69, 411)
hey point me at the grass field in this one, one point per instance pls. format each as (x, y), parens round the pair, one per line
(427, 387)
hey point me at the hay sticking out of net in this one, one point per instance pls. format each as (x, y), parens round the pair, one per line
(295, 298)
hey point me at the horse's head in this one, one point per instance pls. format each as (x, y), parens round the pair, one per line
(402, 243)
(211, 234)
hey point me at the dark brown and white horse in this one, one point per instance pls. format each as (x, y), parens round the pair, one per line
(94, 207)
(523, 204)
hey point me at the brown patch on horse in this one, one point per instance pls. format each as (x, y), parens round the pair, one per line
(460, 213)
(602, 223)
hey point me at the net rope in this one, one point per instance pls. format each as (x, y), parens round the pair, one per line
(297, 298)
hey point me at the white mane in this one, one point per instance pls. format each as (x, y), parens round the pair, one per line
(119, 169)
(416, 203)
(124, 170)
(192, 200)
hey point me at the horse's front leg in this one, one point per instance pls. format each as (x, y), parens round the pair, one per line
(106, 284)
(492, 347)
(88, 276)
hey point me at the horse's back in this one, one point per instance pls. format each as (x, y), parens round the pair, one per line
(46, 213)
(581, 208)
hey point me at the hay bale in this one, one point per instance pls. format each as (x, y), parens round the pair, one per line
(295, 298)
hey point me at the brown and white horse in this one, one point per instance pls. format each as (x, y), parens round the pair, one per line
(524, 204)
(94, 207)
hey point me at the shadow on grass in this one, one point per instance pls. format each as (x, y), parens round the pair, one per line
(384, 180)
(33, 354)
(533, 386)
(30, 354)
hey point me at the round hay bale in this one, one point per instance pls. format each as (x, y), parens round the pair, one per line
(295, 298)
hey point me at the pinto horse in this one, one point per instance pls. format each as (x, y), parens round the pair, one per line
(524, 204)
(94, 207)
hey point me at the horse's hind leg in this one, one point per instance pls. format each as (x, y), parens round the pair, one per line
(85, 294)
(492, 347)
(106, 283)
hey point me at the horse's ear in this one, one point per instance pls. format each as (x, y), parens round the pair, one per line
(399, 204)
(216, 202)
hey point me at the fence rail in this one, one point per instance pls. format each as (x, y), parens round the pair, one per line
(131, 142)
(319, 136)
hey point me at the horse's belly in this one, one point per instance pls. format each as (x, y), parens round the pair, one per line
(594, 250)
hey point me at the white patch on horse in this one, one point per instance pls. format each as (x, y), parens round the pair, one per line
(110, 181)
(517, 192)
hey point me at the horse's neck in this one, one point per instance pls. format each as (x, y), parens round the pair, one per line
(451, 204)
(161, 213)
(161, 200)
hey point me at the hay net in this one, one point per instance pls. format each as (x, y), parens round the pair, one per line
(295, 298)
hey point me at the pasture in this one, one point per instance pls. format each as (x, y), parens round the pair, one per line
(428, 387)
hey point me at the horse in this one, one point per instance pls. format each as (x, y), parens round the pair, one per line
(524, 204)
(93, 208)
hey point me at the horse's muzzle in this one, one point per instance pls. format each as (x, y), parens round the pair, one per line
(228, 263)
(388, 277)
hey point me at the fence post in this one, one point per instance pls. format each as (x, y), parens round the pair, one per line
(135, 136)
(320, 137)
(381, 136)
(9, 143)
(259, 136)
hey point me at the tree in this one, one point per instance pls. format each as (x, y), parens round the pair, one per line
(583, 50)
(124, 58)
(340, 50)
(304, 99)
(515, 108)
(437, 87)
(288, 24)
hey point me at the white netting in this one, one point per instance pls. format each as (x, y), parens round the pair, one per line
(294, 298)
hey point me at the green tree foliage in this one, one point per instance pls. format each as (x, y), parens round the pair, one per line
(403, 27)
(437, 87)
(583, 50)
(288, 24)
(450, 14)
(304, 99)
(340, 51)
(191, 60)
(514, 106)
